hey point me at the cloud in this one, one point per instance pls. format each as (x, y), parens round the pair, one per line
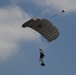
(69, 5)
(11, 32)
(51, 6)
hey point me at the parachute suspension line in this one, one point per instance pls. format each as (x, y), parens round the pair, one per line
(58, 14)
(42, 45)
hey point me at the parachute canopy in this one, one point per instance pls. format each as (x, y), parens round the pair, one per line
(44, 27)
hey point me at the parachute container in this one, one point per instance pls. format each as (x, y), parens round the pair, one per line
(44, 27)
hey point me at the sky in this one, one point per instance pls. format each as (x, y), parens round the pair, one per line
(19, 47)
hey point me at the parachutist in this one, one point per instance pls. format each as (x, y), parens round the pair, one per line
(41, 57)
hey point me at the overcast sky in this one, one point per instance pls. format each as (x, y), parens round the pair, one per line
(19, 54)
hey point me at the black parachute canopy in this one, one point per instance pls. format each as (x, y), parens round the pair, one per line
(44, 27)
